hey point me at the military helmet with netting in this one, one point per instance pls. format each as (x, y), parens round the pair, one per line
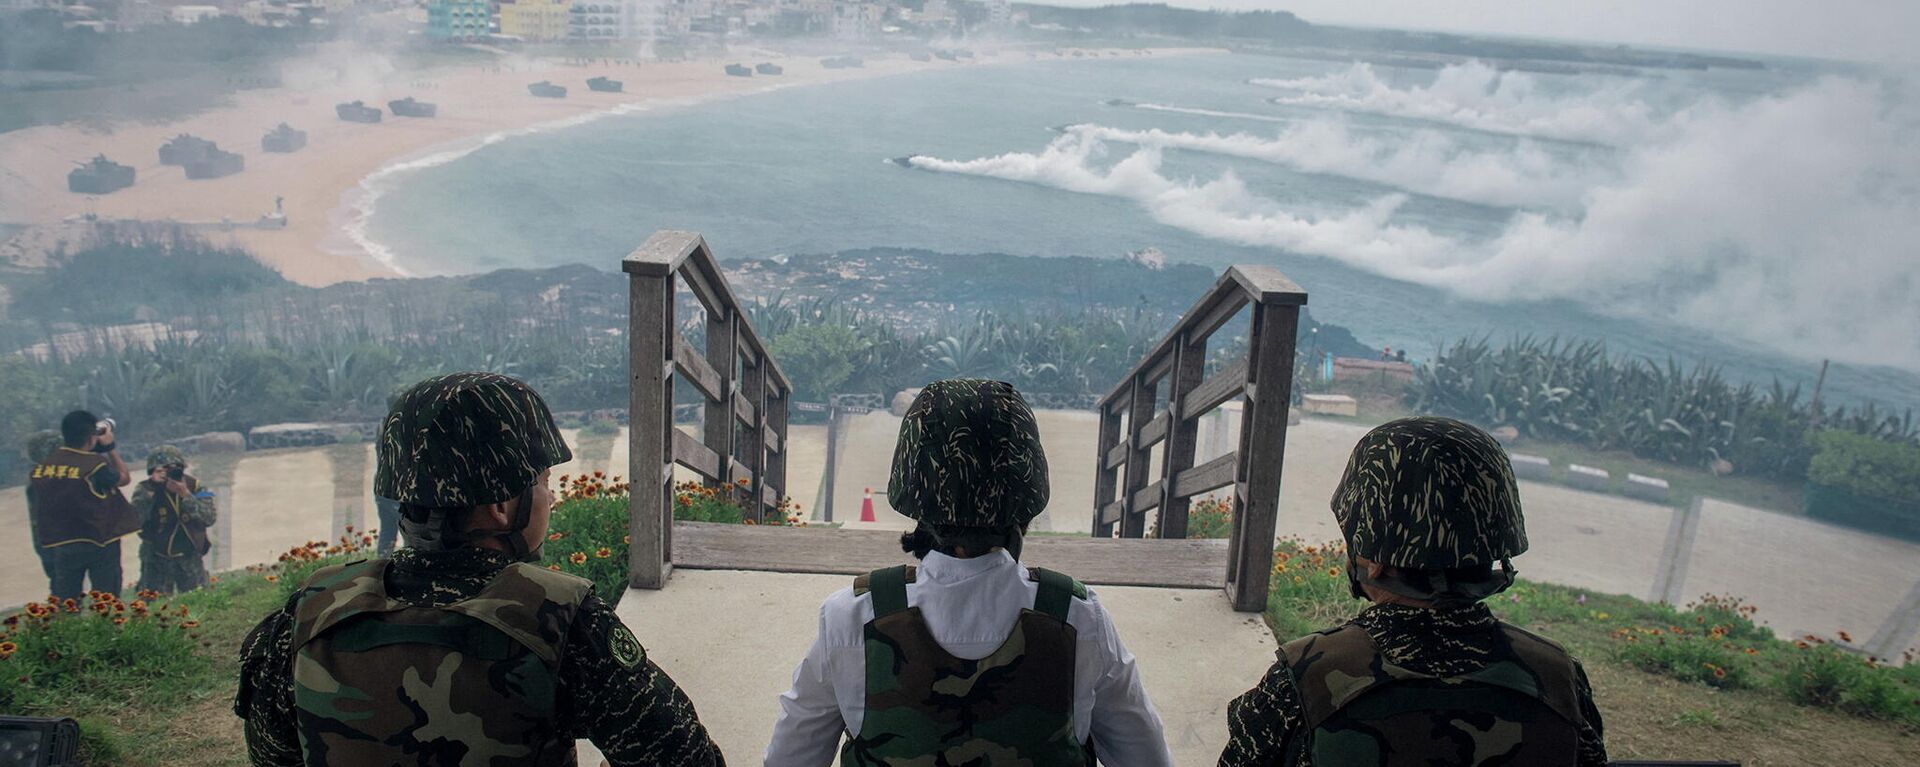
(1430, 493)
(464, 440)
(969, 455)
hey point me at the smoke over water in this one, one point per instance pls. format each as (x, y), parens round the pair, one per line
(1477, 96)
(1790, 221)
(1426, 162)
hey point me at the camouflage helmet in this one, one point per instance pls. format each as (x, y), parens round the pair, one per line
(464, 440)
(969, 455)
(1430, 493)
(165, 455)
(41, 444)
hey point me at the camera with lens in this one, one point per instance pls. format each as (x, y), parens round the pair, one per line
(176, 473)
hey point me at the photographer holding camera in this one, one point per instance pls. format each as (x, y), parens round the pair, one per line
(174, 516)
(81, 513)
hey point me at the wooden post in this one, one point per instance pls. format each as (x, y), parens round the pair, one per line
(1105, 477)
(1189, 369)
(1139, 412)
(775, 422)
(650, 417)
(1263, 445)
(349, 487)
(833, 452)
(723, 338)
(752, 447)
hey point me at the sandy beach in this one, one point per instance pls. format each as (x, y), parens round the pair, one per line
(319, 183)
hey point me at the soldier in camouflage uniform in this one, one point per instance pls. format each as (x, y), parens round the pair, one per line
(174, 516)
(37, 446)
(458, 650)
(1426, 675)
(969, 658)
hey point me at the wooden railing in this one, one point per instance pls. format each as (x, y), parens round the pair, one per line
(744, 423)
(1125, 486)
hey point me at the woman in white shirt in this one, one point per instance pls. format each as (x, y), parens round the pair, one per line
(969, 658)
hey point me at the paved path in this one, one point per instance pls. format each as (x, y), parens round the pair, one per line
(732, 639)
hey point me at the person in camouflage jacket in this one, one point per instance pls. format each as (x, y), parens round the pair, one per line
(1426, 675)
(458, 650)
(174, 516)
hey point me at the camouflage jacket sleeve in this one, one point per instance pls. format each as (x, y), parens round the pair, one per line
(1593, 746)
(143, 500)
(265, 697)
(1261, 722)
(201, 511)
(621, 701)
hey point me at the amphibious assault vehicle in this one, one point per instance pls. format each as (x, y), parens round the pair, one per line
(920, 56)
(183, 149)
(218, 163)
(768, 68)
(739, 70)
(407, 107)
(357, 112)
(605, 85)
(99, 176)
(283, 139)
(841, 62)
(547, 90)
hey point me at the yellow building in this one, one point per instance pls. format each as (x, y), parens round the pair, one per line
(534, 20)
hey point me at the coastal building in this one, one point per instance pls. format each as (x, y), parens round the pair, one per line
(535, 20)
(591, 20)
(459, 19)
(999, 13)
(857, 21)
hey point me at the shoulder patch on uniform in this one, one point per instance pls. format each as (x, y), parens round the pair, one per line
(1079, 589)
(625, 648)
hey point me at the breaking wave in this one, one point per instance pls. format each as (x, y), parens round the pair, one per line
(1788, 222)
(1424, 161)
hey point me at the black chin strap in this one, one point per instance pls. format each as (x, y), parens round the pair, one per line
(514, 537)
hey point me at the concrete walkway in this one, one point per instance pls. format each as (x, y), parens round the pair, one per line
(732, 639)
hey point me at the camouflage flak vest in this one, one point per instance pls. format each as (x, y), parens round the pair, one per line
(926, 707)
(1362, 710)
(381, 682)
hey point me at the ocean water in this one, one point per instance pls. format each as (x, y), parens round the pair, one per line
(1759, 221)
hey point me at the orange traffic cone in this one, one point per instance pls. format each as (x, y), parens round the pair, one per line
(866, 507)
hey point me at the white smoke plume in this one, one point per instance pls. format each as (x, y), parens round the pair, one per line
(1427, 162)
(1475, 95)
(1791, 222)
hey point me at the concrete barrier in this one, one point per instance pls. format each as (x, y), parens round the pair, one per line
(1589, 478)
(1330, 404)
(1647, 488)
(1533, 467)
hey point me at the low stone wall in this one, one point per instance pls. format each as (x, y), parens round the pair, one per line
(284, 435)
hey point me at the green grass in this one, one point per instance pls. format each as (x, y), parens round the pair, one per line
(1698, 682)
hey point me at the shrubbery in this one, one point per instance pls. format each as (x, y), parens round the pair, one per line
(1578, 393)
(1862, 465)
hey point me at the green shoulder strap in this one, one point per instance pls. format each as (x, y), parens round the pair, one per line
(1057, 591)
(889, 588)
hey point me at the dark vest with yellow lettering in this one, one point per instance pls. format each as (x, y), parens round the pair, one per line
(69, 509)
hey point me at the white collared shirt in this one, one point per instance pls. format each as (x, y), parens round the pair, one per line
(970, 606)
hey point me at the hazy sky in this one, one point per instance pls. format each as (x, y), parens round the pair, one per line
(1870, 30)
